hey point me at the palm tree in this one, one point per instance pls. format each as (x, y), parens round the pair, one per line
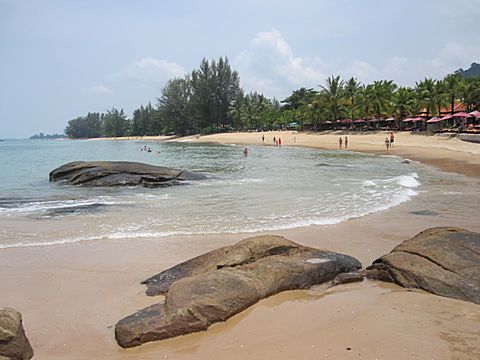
(380, 94)
(352, 89)
(439, 96)
(470, 92)
(402, 102)
(333, 95)
(425, 95)
(452, 88)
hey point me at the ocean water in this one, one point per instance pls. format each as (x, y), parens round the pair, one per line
(271, 189)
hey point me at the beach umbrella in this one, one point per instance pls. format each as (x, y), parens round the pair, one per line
(359, 121)
(461, 115)
(475, 113)
(418, 119)
(390, 119)
(434, 120)
(407, 120)
(446, 117)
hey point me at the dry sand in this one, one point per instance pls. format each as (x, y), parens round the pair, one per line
(72, 295)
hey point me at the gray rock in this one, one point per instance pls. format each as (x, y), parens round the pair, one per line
(345, 278)
(14, 345)
(125, 173)
(443, 261)
(219, 284)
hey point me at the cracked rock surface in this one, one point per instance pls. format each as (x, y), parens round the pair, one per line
(14, 345)
(444, 261)
(219, 284)
(125, 173)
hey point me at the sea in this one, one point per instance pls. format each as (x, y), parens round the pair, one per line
(271, 189)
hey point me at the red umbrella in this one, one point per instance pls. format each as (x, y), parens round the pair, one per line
(462, 114)
(434, 120)
(446, 117)
(475, 113)
(418, 119)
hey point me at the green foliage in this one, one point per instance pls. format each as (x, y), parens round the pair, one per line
(472, 72)
(42, 136)
(89, 126)
(115, 123)
(210, 100)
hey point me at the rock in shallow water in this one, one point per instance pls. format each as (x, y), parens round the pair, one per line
(14, 345)
(125, 173)
(443, 261)
(217, 285)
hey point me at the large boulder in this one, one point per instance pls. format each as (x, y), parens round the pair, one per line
(443, 261)
(219, 284)
(14, 345)
(112, 173)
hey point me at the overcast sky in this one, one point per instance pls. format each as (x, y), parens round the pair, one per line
(62, 59)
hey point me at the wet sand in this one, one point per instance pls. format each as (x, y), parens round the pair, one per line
(72, 295)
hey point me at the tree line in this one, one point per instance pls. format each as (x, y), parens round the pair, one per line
(210, 100)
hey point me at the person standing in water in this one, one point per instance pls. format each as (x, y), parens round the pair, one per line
(245, 152)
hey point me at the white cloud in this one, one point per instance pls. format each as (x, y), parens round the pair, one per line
(270, 66)
(361, 70)
(99, 89)
(150, 70)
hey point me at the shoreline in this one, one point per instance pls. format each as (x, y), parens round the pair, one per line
(442, 152)
(71, 295)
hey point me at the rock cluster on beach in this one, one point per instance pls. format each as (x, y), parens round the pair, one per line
(113, 173)
(443, 261)
(219, 284)
(14, 345)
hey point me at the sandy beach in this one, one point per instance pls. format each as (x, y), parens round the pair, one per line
(72, 295)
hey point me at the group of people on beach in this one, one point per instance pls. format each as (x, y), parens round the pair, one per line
(390, 141)
(340, 142)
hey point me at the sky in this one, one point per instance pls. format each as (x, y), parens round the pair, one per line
(62, 59)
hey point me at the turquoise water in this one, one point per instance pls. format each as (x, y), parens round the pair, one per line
(271, 189)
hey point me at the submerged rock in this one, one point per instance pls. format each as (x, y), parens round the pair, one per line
(113, 173)
(443, 261)
(217, 285)
(14, 345)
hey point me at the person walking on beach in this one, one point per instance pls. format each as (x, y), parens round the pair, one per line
(346, 142)
(387, 143)
(263, 138)
(340, 142)
(279, 142)
(274, 141)
(392, 139)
